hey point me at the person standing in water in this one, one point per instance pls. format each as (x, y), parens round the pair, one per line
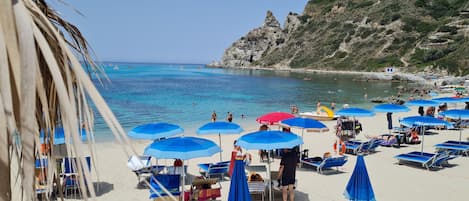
(214, 116)
(229, 118)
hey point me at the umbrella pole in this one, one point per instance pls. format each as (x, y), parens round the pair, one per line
(183, 180)
(270, 176)
(219, 140)
(423, 138)
(460, 130)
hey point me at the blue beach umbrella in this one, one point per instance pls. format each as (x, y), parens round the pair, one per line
(239, 187)
(59, 136)
(359, 186)
(304, 124)
(389, 109)
(183, 148)
(424, 103)
(219, 128)
(457, 114)
(269, 140)
(448, 100)
(155, 131)
(355, 112)
(423, 121)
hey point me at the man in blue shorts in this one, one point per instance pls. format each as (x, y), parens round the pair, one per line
(287, 172)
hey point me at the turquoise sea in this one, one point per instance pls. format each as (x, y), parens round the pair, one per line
(186, 94)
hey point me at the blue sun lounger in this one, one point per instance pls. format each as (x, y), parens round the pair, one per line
(427, 160)
(326, 164)
(170, 181)
(453, 148)
(210, 169)
(355, 147)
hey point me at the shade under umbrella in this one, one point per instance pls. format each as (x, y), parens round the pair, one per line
(457, 114)
(274, 117)
(425, 103)
(239, 187)
(219, 128)
(269, 140)
(423, 121)
(359, 186)
(183, 148)
(155, 131)
(59, 136)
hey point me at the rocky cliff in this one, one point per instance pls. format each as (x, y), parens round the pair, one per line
(361, 35)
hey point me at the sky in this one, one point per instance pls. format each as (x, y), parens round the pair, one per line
(169, 31)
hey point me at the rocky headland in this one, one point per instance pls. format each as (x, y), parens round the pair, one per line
(422, 40)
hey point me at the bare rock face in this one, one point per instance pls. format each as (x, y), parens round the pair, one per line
(250, 48)
(291, 23)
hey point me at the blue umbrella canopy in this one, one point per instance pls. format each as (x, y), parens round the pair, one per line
(155, 131)
(239, 187)
(456, 114)
(220, 127)
(304, 123)
(359, 186)
(183, 148)
(269, 140)
(390, 108)
(448, 100)
(355, 112)
(59, 136)
(425, 103)
(424, 121)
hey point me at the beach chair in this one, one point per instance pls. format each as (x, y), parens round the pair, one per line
(70, 180)
(141, 165)
(214, 169)
(170, 181)
(257, 187)
(370, 146)
(453, 148)
(427, 160)
(326, 164)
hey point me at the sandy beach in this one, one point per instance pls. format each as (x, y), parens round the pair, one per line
(390, 181)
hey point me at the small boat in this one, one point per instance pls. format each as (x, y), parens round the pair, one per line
(319, 117)
(324, 114)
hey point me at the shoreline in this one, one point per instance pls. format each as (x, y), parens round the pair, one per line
(419, 78)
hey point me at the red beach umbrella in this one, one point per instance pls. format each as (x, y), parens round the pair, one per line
(274, 117)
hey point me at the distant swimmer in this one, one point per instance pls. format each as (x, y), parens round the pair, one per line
(229, 117)
(332, 105)
(214, 116)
